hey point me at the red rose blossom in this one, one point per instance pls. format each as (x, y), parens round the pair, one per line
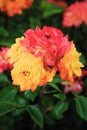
(48, 43)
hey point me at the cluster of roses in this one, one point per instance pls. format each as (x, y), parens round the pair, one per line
(75, 14)
(39, 55)
(12, 7)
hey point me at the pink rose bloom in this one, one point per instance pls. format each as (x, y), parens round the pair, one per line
(77, 85)
(75, 14)
(4, 64)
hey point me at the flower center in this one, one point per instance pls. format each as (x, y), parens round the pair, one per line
(26, 73)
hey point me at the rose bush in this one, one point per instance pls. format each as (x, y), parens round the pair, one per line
(43, 64)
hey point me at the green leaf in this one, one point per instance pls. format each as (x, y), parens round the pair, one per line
(81, 107)
(53, 85)
(35, 114)
(31, 95)
(82, 59)
(3, 32)
(34, 22)
(20, 100)
(50, 9)
(8, 94)
(60, 96)
(6, 108)
(57, 79)
(3, 78)
(18, 111)
(59, 109)
(5, 43)
(47, 101)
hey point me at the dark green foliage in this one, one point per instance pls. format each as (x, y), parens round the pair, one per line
(47, 108)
